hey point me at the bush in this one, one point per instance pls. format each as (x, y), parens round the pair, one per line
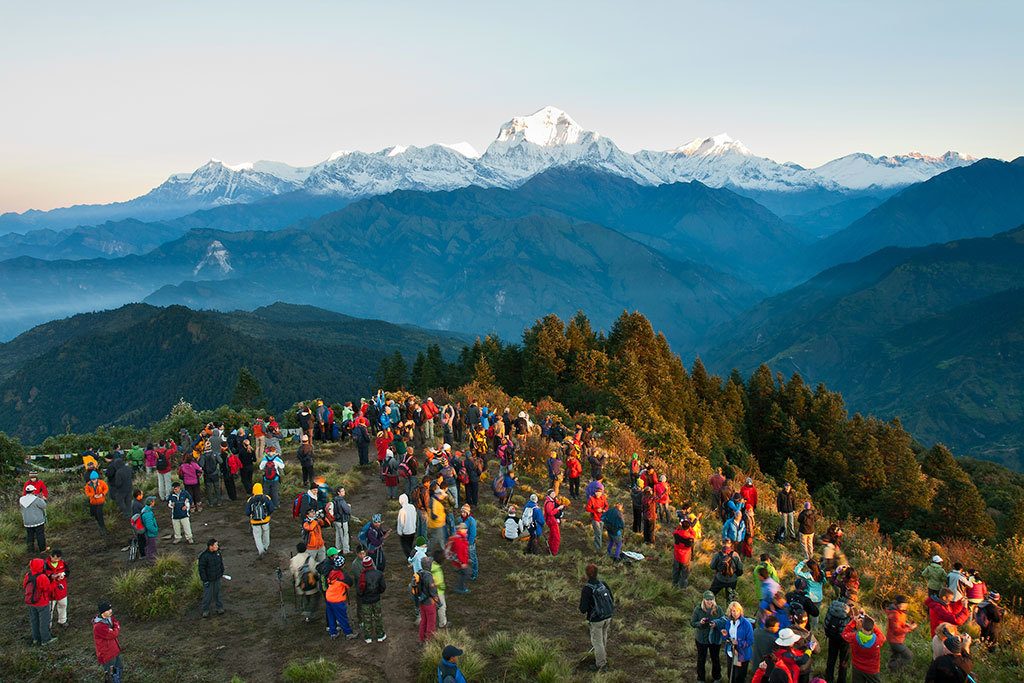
(167, 587)
(319, 670)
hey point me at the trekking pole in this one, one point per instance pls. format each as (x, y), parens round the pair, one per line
(280, 588)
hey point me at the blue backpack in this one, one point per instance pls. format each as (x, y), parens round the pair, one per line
(364, 538)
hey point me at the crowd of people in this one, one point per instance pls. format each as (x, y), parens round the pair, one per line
(341, 559)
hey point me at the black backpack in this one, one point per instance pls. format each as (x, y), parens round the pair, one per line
(836, 618)
(259, 509)
(601, 606)
(161, 460)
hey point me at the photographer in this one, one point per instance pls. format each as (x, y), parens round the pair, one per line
(865, 639)
(375, 537)
(313, 534)
(707, 637)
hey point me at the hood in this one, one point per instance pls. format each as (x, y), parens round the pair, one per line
(36, 565)
(257, 489)
(403, 500)
(27, 499)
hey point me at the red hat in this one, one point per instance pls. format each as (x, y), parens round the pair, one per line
(367, 561)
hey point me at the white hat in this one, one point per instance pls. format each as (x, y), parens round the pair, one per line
(936, 559)
(30, 488)
(787, 638)
(305, 437)
(522, 413)
(447, 447)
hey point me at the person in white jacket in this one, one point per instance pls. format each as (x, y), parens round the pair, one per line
(405, 525)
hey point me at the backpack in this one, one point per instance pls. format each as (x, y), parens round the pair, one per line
(415, 589)
(499, 486)
(322, 570)
(981, 616)
(329, 513)
(836, 618)
(30, 588)
(601, 606)
(259, 509)
(727, 567)
(297, 505)
(363, 534)
(308, 577)
(270, 470)
(391, 467)
(161, 460)
(234, 464)
(137, 523)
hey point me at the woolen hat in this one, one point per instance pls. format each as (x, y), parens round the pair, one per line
(367, 561)
(103, 607)
(953, 644)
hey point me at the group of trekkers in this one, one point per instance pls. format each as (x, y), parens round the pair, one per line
(437, 490)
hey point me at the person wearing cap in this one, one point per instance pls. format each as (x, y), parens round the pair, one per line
(38, 485)
(33, 517)
(336, 598)
(180, 504)
(512, 529)
(955, 666)
(896, 632)
(988, 616)
(727, 567)
(448, 669)
(936, 576)
(375, 537)
(150, 528)
(805, 522)
(305, 458)
(707, 637)
(785, 503)
(369, 588)
(808, 644)
(105, 633)
(466, 513)
(865, 639)
(211, 571)
(96, 493)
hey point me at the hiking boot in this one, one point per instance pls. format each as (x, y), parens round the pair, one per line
(177, 541)
(190, 541)
(350, 636)
(53, 639)
(333, 636)
(382, 638)
(206, 615)
(367, 640)
(220, 611)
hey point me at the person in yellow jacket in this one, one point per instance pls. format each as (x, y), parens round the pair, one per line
(436, 518)
(96, 493)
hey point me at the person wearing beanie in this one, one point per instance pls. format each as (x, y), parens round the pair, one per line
(150, 528)
(707, 637)
(466, 513)
(764, 639)
(258, 509)
(896, 633)
(369, 589)
(37, 484)
(636, 499)
(989, 615)
(512, 528)
(953, 667)
(865, 639)
(749, 493)
(96, 493)
(336, 599)
(936, 576)
(105, 633)
(211, 572)
(448, 669)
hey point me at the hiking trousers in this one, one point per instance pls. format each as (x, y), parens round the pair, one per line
(163, 484)
(182, 526)
(35, 536)
(372, 621)
(599, 639)
(114, 669)
(272, 489)
(39, 620)
(337, 615)
(838, 653)
(341, 537)
(97, 513)
(428, 620)
(211, 595)
(680, 574)
(615, 546)
(807, 543)
(862, 677)
(59, 611)
(703, 653)
(598, 528)
(899, 656)
(261, 535)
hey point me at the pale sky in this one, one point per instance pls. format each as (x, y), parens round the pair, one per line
(102, 101)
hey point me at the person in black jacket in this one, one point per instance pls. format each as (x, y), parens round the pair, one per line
(799, 595)
(636, 497)
(991, 615)
(599, 614)
(211, 571)
(951, 668)
(119, 477)
(786, 504)
(370, 586)
(247, 455)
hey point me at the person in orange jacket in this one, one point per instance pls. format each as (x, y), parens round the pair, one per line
(597, 505)
(313, 533)
(96, 493)
(896, 633)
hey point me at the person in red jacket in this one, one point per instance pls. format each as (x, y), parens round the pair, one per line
(34, 480)
(573, 471)
(944, 610)
(553, 521)
(682, 552)
(597, 505)
(459, 552)
(749, 493)
(57, 572)
(37, 599)
(865, 640)
(105, 631)
(663, 491)
(896, 633)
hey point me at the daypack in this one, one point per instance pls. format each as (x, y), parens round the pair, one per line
(322, 570)
(270, 470)
(981, 616)
(308, 577)
(601, 606)
(137, 523)
(390, 467)
(297, 505)
(258, 509)
(727, 567)
(363, 534)
(234, 464)
(499, 486)
(161, 460)
(30, 588)
(836, 618)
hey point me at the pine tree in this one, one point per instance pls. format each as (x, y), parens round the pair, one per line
(1013, 527)
(392, 372)
(958, 509)
(482, 373)
(248, 393)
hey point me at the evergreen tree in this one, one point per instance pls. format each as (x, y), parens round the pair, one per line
(544, 358)
(248, 393)
(482, 373)
(1013, 527)
(393, 372)
(958, 510)
(12, 454)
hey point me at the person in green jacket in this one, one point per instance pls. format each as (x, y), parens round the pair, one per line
(152, 531)
(936, 576)
(707, 637)
(437, 570)
(136, 457)
(766, 562)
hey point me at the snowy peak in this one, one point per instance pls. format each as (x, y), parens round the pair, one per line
(860, 171)
(547, 127)
(717, 145)
(216, 259)
(464, 148)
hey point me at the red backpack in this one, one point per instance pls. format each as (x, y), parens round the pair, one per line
(234, 464)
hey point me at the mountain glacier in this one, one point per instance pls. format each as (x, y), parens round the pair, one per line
(524, 147)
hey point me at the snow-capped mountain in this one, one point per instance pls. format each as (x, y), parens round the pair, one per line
(720, 161)
(527, 145)
(524, 146)
(861, 171)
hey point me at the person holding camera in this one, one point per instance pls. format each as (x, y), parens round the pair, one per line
(865, 639)
(707, 637)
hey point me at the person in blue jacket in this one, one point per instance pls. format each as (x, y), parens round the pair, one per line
(448, 670)
(533, 520)
(470, 521)
(738, 637)
(735, 529)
